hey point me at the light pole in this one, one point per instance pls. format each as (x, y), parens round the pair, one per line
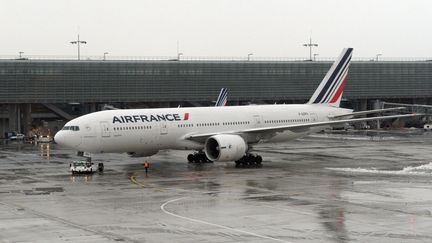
(249, 56)
(78, 42)
(105, 53)
(315, 55)
(310, 45)
(20, 54)
(376, 57)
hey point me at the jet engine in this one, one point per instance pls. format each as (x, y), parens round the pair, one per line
(142, 153)
(225, 147)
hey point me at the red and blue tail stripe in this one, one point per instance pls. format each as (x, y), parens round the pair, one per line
(222, 98)
(331, 87)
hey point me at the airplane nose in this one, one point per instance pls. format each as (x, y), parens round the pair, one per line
(59, 138)
(68, 139)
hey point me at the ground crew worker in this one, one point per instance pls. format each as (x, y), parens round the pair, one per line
(146, 166)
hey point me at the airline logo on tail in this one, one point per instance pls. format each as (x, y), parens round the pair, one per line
(222, 98)
(331, 87)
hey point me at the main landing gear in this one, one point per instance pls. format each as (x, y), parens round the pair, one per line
(198, 157)
(249, 160)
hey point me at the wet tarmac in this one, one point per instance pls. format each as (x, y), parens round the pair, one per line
(332, 187)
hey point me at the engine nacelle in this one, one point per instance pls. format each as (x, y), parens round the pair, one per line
(225, 147)
(142, 154)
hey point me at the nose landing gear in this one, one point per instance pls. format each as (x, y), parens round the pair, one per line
(249, 161)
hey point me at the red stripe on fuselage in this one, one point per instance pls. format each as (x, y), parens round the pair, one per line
(186, 116)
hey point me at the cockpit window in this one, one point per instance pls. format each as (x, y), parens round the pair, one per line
(73, 128)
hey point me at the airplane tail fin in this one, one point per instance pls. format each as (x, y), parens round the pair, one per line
(222, 98)
(331, 87)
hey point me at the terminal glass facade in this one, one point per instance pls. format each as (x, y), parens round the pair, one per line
(37, 81)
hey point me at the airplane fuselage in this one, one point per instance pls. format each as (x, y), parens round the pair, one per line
(147, 131)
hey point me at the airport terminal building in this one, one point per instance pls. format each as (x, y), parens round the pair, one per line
(38, 92)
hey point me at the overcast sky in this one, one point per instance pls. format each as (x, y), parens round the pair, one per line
(267, 28)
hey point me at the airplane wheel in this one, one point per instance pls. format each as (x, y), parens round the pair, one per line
(191, 158)
(249, 161)
(259, 159)
(197, 158)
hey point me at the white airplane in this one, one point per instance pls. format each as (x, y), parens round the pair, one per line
(217, 133)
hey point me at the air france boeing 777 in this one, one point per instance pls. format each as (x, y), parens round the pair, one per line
(216, 133)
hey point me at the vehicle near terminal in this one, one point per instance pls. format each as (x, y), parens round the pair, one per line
(217, 133)
(85, 167)
(17, 136)
(14, 135)
(81, 166)
(45, 139)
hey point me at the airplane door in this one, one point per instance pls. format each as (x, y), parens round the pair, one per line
(313, 117)
(163, 128)
(257, 120)
(105, 129)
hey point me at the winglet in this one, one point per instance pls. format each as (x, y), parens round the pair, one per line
(331, 87)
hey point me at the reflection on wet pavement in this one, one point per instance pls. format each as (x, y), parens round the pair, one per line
(332, 187)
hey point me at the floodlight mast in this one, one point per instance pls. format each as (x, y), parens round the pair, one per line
(78, 42)
(377, 55)
(249, 56)
(310, 45)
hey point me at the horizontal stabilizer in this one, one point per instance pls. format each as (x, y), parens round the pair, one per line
(360, 113)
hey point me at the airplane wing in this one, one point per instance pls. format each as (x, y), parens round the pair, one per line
(268, 132)
(359, 113)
